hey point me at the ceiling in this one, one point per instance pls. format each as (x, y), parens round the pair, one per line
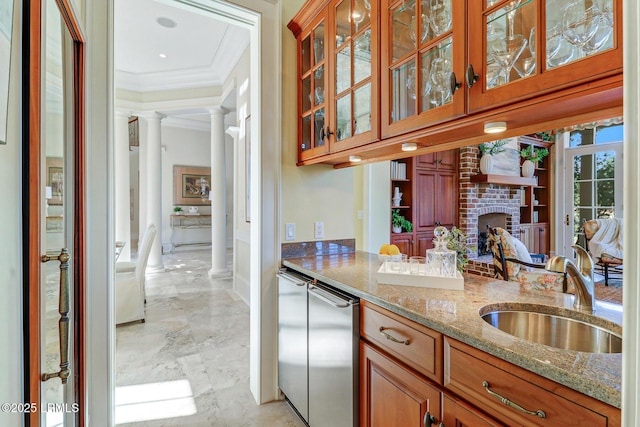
(160, 47)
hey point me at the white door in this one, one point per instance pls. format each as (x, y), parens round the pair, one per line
(593, 179)
(55, 221)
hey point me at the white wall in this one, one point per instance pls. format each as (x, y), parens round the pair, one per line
(239, 76)
(184, 147)
(310, 193)
(11, 354)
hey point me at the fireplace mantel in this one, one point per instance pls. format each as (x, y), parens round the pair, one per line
(502, 179)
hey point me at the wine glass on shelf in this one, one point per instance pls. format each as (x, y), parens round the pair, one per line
(506, 52)
(424, 29)
(440, 16)
(526, 64)
(600, 37)
(511, 9)
(439, 76)
(580, 24)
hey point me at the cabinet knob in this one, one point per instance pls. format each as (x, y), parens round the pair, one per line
(472, 77)
(454, 83)
(328, 132)
(429, 420)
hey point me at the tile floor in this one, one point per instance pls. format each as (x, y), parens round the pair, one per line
(188, 365)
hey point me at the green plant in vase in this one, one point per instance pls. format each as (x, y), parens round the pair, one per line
(177, 210)
(532, 155)
(488, 150)
(457, 241)
(399, 222)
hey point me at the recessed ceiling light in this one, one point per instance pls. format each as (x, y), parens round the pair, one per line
(409, 146)
(495, 127)
(166, 22)
(162, 55)
(355, 159)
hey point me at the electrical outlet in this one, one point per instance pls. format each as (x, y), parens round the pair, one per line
(290, 232)
(318, 230)
(360, 214)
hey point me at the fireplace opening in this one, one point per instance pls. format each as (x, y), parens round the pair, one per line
(489, 220)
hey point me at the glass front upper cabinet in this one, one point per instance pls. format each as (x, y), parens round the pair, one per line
(355, 94)
(422, 63)
(525, 48)
(313, 88)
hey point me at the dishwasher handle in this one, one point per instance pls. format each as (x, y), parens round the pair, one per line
(296, 280)
(328, 298)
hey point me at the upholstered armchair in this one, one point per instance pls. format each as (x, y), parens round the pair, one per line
(604, 243)
(512, 262)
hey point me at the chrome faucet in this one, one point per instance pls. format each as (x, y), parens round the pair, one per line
(582, 274)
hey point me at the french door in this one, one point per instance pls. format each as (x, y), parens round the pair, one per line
(54, 223)
(593, 181)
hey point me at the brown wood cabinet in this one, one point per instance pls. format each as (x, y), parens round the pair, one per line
(536, 213)
(338, 91)
(431, 199)
(435, 75)
(489, 382)
(532, 28)
(391, 395)
(401, 385)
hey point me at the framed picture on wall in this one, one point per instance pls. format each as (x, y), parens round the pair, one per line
(247, 168)
(191, 185)
(55, 180)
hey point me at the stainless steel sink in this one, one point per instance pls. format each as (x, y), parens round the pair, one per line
(555, 327)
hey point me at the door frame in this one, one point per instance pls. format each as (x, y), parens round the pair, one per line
(32, 215)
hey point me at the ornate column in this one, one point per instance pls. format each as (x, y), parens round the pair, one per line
(153, 188)
(218, 195)
(122, 203)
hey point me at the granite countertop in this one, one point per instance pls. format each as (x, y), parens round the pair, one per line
(456, 314)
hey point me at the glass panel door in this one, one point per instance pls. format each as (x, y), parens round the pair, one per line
(593, 177)
(353, 69)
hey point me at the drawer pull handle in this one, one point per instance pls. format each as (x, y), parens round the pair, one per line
(539, 413)
(392, 338)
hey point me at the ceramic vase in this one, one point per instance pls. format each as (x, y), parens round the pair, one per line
(528, 168)
(396, 229)
(486, 164)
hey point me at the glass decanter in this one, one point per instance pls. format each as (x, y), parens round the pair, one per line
(440, 260)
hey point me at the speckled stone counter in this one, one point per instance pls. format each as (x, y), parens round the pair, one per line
(456, 314)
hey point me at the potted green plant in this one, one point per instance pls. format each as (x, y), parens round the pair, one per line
(488, 149)
(177, 210)
(457, 241)
(531, 156)
(399, 222)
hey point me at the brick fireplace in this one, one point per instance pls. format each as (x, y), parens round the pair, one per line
(482, 204)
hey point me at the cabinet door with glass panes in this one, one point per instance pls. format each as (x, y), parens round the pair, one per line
(354, 93)
(525, 48)
(312, 87)
(422, 63)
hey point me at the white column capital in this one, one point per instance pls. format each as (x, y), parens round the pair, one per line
(153, 115)
(218, 111)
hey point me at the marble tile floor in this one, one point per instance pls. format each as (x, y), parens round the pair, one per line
(188, 364)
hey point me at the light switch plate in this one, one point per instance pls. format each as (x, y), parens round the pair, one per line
(318, 229)
(290, 231)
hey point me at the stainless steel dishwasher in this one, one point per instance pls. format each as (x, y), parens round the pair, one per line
(333, 357)
(292, 340)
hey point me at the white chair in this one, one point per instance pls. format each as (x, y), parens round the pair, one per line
(130, 292)
(126, 266)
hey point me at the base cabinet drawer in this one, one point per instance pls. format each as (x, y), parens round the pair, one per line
(409, 342)
(516, 396)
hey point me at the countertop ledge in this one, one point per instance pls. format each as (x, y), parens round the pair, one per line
(456, 314)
